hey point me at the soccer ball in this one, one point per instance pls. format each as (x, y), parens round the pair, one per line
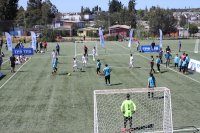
(69, 74)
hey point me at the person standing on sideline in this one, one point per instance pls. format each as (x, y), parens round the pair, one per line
(152, 64)
(179, 46)
(58, 48)
(98, 67)
(158, 63)
(152, 46)
(176, 60)
(107, 70)
(128, 108)
(12, 63)
(151, 84)
(41, 47)
(131, 61)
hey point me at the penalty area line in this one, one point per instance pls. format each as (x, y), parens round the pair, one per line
(13, 74)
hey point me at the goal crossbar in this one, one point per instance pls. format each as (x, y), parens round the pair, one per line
(135, 90)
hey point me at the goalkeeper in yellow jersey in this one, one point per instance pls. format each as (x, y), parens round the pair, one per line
(128, 108)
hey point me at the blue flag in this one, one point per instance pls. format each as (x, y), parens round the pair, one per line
(9, 41)
(161, 35)
(33, 40)
(101, 38)
(130, 38)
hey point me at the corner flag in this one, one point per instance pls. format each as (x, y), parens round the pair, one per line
(101, 38)
(130, 38)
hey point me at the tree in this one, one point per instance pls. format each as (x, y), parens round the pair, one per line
(131, 8)
(40, 13)
(161, 19)
(115, 6)
(8, 12)
(49, 12)
(193, 29)
(20, 18)
(33, 13)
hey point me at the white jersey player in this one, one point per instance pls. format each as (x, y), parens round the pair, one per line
(84, 60)
(131, 61)
(94, 53)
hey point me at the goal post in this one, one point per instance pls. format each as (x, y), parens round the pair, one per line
(152, 114)
(79, 47)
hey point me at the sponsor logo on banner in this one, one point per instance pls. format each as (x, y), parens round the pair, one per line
(194, 65)
(23, 51)
(148, 48)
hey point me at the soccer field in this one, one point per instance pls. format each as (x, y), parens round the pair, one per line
(33, 100)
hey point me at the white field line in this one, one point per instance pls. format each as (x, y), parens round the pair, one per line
(14, 74)
(164, 66)
(5, 61)
(179, 130)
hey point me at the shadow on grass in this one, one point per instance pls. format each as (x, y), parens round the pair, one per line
(2, 77)
(116, 84)
(163, 71)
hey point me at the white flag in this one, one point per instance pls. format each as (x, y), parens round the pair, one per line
(9, 41)
(130, 38)
(161, 35)
(33, 39)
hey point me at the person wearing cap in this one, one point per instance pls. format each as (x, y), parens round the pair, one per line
(107, 70)
(98, 67)
(128, 108)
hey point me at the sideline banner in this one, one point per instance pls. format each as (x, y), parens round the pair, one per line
(23, 51)
(34, 40)
(194, 65)
(148, 48)
(9, 41)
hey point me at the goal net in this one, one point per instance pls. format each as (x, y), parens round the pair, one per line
(196, 48)
(152, 115)
(79, 47)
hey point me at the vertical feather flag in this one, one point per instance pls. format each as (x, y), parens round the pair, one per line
(33, 38)
(9, 41)
(161, 37)
(130, 38)
(101, 37)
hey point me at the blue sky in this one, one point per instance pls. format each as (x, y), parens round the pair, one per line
(75, 5)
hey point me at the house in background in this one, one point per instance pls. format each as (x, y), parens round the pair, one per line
(89, 31)
(121, 30)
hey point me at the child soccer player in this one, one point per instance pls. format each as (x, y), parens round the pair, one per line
(158, 61)
(54, 65)
(151, 84)
(167, 57)
(128, 108)
(131, 61)
(75, 66)
(180, 64)
(84, 60)
(176, 60)
(94, 53)
(98, 67)
(107, 70)
(152, 65)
